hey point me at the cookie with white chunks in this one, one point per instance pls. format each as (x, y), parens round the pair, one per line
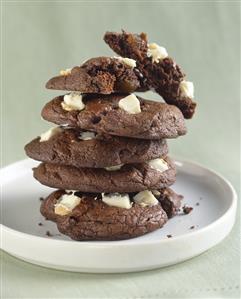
(84, 216)
(160, 71)
(103, 75)
(154, 174)
(117, 114)
(87, 149)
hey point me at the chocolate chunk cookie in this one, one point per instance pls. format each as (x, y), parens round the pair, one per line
(102, 114)
(164, 75)
(103, 75)
(92, 219)
(68, 148)
(170, 201)
(129, 178)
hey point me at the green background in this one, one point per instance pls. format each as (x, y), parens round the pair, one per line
(40, 38)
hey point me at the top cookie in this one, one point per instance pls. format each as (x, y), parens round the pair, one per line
(103, 75)
(160, 71)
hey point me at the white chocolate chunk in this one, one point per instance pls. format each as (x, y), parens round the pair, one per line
(145, 199)
(127, 61)
(66, 204)
(186, 89)
(156, 52)
(117, 200)
(130, 104)
(156, 192)
(73, 101)
(114, 168)
(65, 72)
(51, 132)
(87, 135)
(158, 164)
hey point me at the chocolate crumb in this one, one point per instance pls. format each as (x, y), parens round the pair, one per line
(48, 234)
(41, 198)
(187, 210)
(192, 227)
(197, 204)
(40, 223)
(169, 236)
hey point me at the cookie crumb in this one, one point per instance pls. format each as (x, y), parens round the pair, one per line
(169, 236)
(40, 223)
(187, 210)
(192, 227)
(41, 198)
(197, 204)
(48, 234)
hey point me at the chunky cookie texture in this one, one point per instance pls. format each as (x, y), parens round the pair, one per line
(107, 153)
(102, 114)
(164, 75)
(92, 219)
(129, 178)
(68, 148)
(170, 201)
(102, 75)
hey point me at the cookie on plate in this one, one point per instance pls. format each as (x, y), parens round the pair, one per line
(117, 114)
(87, 149)
(84, 216)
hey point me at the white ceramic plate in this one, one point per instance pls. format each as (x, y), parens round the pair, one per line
(212, 197)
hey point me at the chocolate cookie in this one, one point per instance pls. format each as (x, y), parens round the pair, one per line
(164, 75)
(68, 148)
(103, 75)
(170, 201)
(102, 114)
(92, 219)
(129, 178)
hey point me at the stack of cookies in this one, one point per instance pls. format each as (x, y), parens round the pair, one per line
(108, 153)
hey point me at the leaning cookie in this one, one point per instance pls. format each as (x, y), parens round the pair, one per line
(117, 114)
(103, 75)
(160, 71)
(155, 174)
(87, 149)
(102, 217)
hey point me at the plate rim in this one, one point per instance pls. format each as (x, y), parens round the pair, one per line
(124, 243)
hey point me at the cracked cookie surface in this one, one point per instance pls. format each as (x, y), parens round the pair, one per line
(129, 178)
(67, 148)
(92, 219)
(164, 76)
(103, 115)
(103, 75)
(170, 201)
